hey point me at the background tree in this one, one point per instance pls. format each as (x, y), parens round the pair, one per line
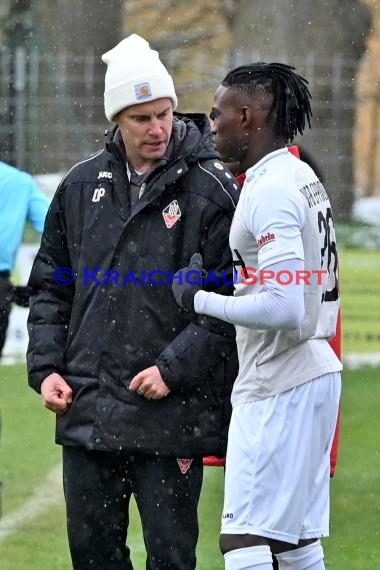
(60, 110)
(193, 42)
(326, 41)
(63, 41)
(15, 33)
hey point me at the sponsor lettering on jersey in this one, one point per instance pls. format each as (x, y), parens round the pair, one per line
(263, 240)
(171, 214)
(184, 465)
(314, 193)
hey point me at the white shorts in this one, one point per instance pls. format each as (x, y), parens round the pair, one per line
(278, 463)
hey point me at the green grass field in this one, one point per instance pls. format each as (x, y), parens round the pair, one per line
(360, 292)
(28, 454)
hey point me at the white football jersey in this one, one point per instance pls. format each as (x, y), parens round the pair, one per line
(284, 213)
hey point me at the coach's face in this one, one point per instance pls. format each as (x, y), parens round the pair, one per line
(228, 125)
(146, 130)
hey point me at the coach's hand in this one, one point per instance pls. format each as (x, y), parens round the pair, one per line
(56, 393)
(187, 282)
(150, 384)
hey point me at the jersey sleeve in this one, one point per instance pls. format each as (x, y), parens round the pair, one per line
(276, 220)
(278, 306)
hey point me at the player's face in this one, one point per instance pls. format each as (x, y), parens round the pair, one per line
(146, 129)
(230, 137)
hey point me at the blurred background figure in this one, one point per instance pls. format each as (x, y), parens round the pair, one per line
(21, 200)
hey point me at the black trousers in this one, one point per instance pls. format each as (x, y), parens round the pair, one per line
(5, 306)
(98, 487)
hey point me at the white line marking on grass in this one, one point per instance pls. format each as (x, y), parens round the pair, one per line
(358, 359)
(49, 493)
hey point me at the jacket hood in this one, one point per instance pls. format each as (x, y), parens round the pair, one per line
(200, 144)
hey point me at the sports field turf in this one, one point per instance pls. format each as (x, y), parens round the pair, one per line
(28, 454)
(32, 529)
(360, 292)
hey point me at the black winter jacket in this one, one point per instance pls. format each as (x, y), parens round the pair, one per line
(102, 329)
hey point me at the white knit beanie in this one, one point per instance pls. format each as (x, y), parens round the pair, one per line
(134, 75)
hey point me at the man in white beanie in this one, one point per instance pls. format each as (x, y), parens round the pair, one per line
(140, 387)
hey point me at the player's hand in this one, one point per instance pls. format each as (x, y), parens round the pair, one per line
(149, 383)
(187, 282)
(56, 393)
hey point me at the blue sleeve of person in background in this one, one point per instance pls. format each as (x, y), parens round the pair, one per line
(37, 207)
(21, 200)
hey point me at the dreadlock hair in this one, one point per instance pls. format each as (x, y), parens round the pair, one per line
(291, 97)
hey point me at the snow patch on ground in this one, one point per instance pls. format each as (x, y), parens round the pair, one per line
(46, 495)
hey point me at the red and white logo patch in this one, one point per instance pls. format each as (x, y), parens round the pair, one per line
(184, 465)
(171, 214)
